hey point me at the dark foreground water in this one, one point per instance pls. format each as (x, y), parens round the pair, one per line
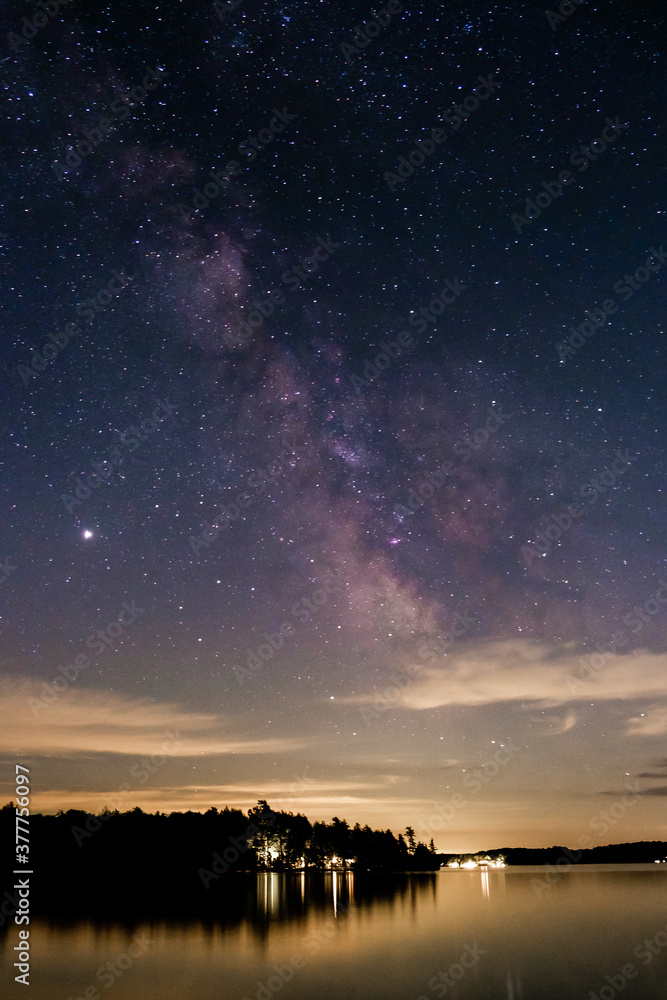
(458, 934)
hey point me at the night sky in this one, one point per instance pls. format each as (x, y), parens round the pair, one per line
(338, 480)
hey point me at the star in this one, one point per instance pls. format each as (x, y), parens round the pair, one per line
(391, 465)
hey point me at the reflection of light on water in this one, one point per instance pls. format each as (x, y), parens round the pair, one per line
(342, 891)
(514, 991)
(268, 896)
(490, 878)
(303, 886)
(274, 894)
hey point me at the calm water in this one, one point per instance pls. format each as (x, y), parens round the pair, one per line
(401, 937)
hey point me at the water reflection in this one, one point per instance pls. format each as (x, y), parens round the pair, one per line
(514, 988)
(288, 896)
(464, 934)
(342, 886)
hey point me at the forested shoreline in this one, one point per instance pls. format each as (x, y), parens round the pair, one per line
(165, 862)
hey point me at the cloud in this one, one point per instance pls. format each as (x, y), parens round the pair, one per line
(81, 721)
(652, 722)
(660, 775)
(522, 670)
(304, 788)
(555, 725)
(323, 798)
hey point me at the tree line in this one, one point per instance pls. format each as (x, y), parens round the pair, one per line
(158, 858)
(187, 862)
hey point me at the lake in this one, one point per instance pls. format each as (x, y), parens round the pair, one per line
(599, 930)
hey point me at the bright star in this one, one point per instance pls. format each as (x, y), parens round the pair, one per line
(87, 534)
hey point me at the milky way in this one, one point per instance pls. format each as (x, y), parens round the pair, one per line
(314, 353)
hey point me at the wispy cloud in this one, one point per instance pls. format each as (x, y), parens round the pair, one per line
(554, 725)
(322, 799)
(521, 670)
(81, 721)
(652, 722)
